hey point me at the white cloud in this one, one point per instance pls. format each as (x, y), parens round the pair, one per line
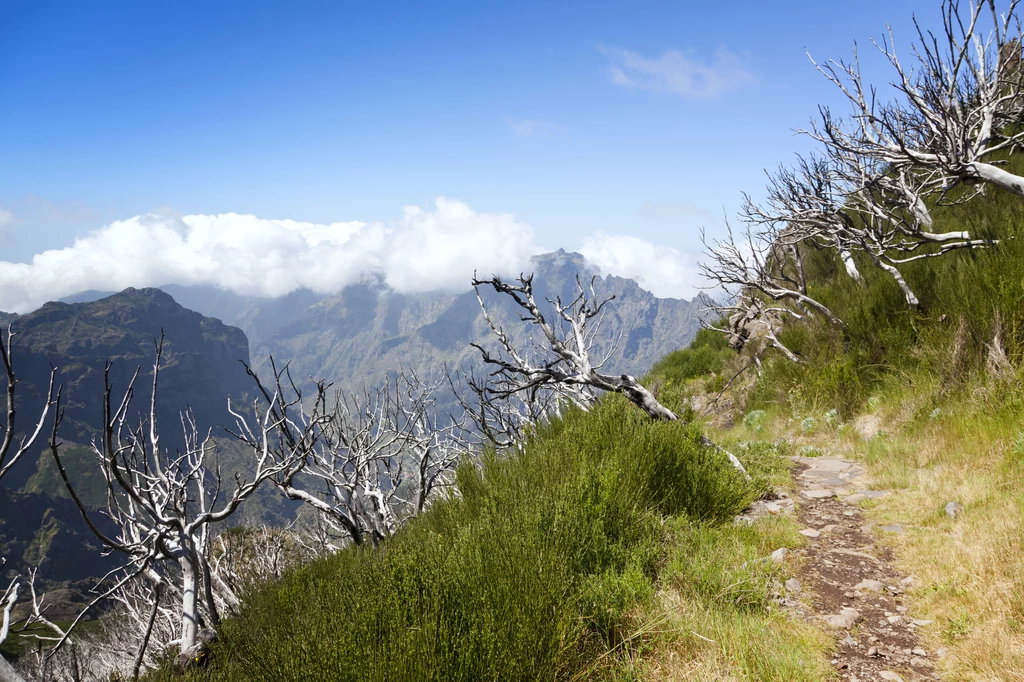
(427, 249)
(675, 73)
(440, 249)
(662, 270)
(424, 250)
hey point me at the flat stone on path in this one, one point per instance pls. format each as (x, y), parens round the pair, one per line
(890, 676)
(810, 532)
(817, 493)
(845, 619)
(870, 585)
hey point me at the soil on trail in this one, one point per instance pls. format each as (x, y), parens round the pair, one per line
(845, 578)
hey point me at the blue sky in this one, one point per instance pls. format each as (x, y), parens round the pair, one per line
(334, 111)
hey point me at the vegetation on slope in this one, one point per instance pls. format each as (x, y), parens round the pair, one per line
(605, 549)
(931, 401)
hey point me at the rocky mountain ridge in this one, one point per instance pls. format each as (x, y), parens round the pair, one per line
(359, 335)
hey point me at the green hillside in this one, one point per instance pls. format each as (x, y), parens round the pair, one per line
(931, 402)
(607, 549)
(549, 564)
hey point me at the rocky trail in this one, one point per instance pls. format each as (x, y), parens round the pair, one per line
(845, 578)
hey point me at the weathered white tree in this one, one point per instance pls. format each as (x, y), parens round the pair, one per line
(852, 204)
(761, 284)
(956, 107)
(163, 508)
(755, 266)
(377, 458)
(956, 110)
(47, 661)
(247, 556)
(562, 360)
(500, 416)
(10, 455)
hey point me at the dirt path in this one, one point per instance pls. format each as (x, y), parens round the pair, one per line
(846, 579)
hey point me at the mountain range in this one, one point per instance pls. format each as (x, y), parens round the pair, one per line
(353, 338)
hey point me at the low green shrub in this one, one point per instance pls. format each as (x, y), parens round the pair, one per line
(527, 574)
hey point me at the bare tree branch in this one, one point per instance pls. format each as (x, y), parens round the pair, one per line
(564, 363)
(163, 505)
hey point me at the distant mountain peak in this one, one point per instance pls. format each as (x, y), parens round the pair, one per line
(562, 259)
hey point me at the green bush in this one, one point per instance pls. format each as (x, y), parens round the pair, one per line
(527, 574)
(706, 355)
(682, 365)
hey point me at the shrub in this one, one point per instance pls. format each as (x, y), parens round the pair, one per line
(528, 574)
(754, 419)
(682, 365)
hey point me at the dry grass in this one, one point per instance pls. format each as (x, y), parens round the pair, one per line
(698, 643)
(969, 571)
(715, 618)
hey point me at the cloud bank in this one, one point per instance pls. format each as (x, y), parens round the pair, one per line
(434, 249)
(427, 249)
(675, 73)
(662, 270)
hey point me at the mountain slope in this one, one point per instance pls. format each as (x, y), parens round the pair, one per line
(200, 369)
(359, 335)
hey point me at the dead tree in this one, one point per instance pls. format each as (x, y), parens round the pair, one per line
(563, 361)
(377, 458)
(164, 507)
(434, 442)
(10, 455)
(501, 417)
(853, 205)
(244, 557)
(956, 107)
(42, 664)
(761, 293)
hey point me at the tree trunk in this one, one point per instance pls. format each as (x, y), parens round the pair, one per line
(211, 603)
(998, 177)
(189, 601)
(642, 398)
(904, 287)
(137, 668)
(851, 266)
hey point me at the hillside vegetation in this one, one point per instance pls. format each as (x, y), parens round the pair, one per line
(931, 401)
(607, 547)
(555, 562)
